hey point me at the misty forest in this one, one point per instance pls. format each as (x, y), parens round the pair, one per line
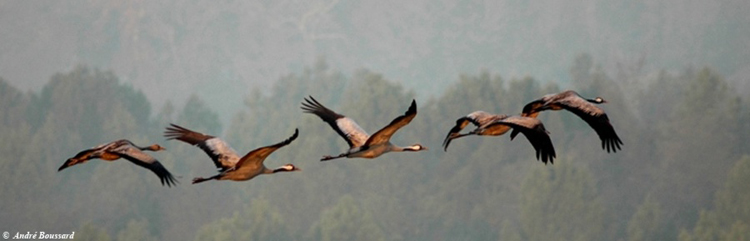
(682, 173)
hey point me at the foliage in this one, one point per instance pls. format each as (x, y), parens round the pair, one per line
(197, 115)
(91, 232)
(729, 220)
(259, 220)
(347, 220)
(682, 133)
(135, 230)
(697, 144)
(647, 222)
(561, 203)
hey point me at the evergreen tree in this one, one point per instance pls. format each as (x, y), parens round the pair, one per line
(91, 232)
(257, 221)
(197, 116)
(647, 222)
(729, 220)
(347, 220)
(135, 230)
(697, 145)
(561, 203)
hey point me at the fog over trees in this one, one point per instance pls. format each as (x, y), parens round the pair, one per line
(79, 74)
(670, 181)
(219, 51)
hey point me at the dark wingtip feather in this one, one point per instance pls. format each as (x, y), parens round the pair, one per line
(68, 163)
(552, 157)
(64, 165)
(446, 142)
(605, 145)
(612, 144)
(174, 131)
(310, 104)
(513, 134)
(448, 138)
(169, 180)
(293, 137)
(164, 175)
(307, 105)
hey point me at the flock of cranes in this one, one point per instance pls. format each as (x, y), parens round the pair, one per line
(362, 145)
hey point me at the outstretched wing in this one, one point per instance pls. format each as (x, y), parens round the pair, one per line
(600, 123)
(461, 123)
(535, 132)
(344, 126)
(142, 159)
(587, 111)
(533, 108)
(478, 118)
(384, 135)
(256, 157)
(221, 153)
(99, 151)
(595, 117)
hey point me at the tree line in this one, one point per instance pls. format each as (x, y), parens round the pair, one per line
(681, 174)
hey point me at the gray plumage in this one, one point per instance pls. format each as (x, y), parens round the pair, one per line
(124, 149)
(583, 108)
(223, 155)
(225, 158)
(360, 143)
(496, 125)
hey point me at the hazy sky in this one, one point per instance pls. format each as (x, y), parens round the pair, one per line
(220, 50)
